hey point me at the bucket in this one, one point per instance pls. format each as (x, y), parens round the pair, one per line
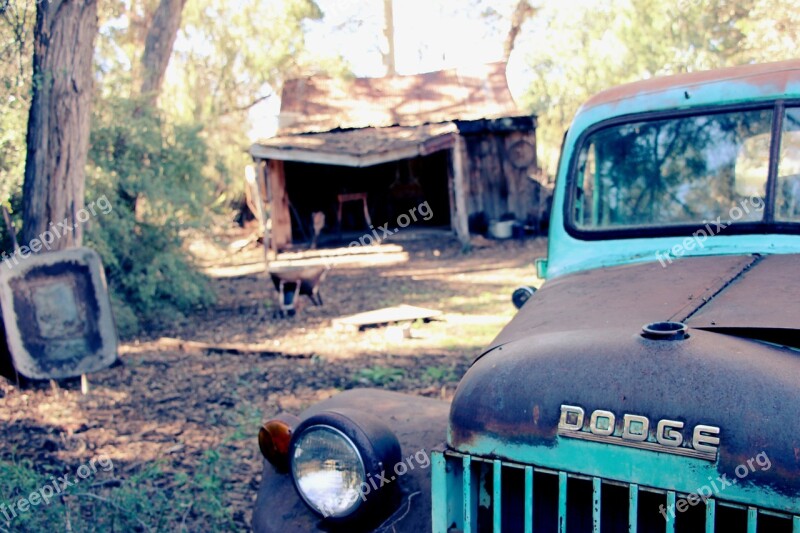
(501, 229)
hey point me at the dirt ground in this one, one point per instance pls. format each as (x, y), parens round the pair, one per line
(169, 402)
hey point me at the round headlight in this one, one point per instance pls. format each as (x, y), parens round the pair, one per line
(328, 471)
(342, 464)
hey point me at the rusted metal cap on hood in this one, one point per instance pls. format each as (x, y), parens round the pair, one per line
(665, 331)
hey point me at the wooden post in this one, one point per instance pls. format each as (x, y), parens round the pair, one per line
(255, 181)
(458, 208)
(278, 205)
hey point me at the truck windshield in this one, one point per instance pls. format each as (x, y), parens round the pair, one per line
(686, 171)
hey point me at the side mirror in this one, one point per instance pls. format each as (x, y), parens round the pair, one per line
(541, 268)
(522, 295)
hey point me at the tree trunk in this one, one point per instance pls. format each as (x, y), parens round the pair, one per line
(522, 12)
(58, 122)
(388, 32)
(158, 46)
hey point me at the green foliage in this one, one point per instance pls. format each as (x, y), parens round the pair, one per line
(152, 174)
(227, 58)
(243, 62)
(246, 418)
(14, 206)
(575, 49)
(440, 374)
(16, 50)
(380, 375)
(153, 499)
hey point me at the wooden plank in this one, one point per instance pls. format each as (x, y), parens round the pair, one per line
(387, 315)
(236, 348)
(495, 179)
(523, 195)
(458, 160)
(451, 193)
(475, 194)
(330, 158)
(442, 142)
(304, 156)
(279, 205)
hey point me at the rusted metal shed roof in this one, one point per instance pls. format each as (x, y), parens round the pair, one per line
(358, 147)
(320, 104)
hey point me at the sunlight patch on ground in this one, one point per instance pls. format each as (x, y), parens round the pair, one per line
(234, 271)
(447, 272)
(60, 412)
(350, 257)
(354, 260)
(455, 333)
(378, 249)
(486, 276)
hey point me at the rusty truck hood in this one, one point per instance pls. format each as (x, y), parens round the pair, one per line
(577, 342)
(732, 293)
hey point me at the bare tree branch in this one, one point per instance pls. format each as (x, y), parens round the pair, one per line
(246, 107)
(522, 13)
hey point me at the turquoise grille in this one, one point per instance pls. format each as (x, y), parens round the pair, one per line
(474, 494)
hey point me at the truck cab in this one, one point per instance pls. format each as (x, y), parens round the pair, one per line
(651, 384)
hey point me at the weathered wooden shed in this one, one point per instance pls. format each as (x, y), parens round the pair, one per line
(453, 138)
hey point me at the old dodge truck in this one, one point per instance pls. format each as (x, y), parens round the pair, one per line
(651, 384)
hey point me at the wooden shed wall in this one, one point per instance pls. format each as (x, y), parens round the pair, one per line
(498, 175)
(498, 168)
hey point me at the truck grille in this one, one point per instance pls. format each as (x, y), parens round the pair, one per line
(474, 494)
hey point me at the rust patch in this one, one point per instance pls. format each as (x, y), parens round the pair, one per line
(629, 296)
(758, 299)
(777, 75)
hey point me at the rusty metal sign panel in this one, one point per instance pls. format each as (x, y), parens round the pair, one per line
(57, 314)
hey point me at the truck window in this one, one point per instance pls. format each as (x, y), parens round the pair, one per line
(787, 205)
(675, 171)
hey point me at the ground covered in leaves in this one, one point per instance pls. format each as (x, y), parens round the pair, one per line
(166, 439)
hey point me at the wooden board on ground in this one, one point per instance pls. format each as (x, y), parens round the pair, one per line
(236, 348)
(387, 315)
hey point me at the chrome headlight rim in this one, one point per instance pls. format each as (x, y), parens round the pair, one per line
(378, 449)
(362, 468)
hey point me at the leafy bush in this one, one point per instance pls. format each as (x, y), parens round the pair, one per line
(151, 172)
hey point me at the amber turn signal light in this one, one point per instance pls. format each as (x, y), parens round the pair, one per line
(273, 439)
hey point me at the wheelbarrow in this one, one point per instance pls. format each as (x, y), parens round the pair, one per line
(291, 282)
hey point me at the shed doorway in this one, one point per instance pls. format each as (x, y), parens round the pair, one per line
(405, 193)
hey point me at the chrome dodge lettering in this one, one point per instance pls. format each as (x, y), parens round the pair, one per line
(638, 432)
